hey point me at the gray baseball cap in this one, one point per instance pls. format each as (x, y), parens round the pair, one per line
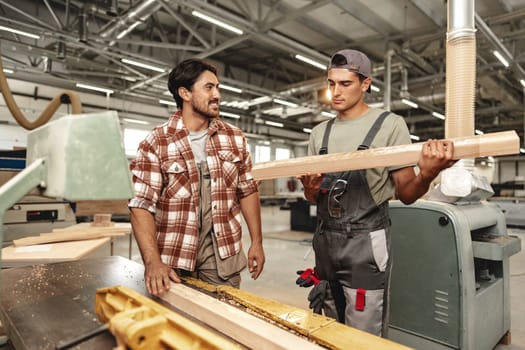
(353, 60)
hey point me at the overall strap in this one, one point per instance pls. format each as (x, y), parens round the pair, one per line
(324, 145)
(373, 131)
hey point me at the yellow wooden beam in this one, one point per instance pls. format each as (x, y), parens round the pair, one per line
(322, 330)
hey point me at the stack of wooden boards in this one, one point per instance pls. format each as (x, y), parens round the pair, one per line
(73, 233)
(64, 244)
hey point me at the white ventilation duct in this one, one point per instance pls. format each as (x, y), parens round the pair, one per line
(460, 69)
(459, 182)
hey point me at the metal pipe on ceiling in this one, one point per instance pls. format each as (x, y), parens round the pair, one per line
(496, 43)
(387, 87)
(138, 13)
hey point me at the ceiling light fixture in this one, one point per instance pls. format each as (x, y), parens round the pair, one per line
(169, 103)
(95, 88)
(438, 115)
(328, 94)
(501, 58)
(217, 22)
(16, 31)
(230, 88)
(414, 137)
(269, 122)
(136, 121)
(236, 104)
(230, 115)
(310, 61)
(143, 65)
(409, 103)
(375, 88)
(259, 100)
(522, 81)
(8, 71)
(307, 130)
(285, 103)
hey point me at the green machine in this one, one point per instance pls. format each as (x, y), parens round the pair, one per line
(450, 276)
(76, 157)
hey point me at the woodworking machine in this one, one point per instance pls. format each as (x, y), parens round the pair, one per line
(62, 306)
(79, 157)
(33, 215)
(450, 276)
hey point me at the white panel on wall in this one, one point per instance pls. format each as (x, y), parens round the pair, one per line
(12, 136)
(132, 138)
(262, 154)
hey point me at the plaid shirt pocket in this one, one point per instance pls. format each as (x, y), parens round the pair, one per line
(178, 185)
(230, 164)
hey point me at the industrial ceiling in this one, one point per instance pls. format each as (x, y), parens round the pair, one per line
(98, 42)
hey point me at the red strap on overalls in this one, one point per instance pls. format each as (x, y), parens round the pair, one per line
(360, 299)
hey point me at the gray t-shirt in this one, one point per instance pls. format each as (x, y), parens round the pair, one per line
(347, 135)
(198, 144)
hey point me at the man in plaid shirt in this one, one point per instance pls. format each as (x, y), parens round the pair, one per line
(192, 181)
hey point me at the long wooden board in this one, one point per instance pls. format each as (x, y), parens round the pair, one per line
(247, 329)
(493, 144)
(51, 253)
(255, 333)
(72, 235)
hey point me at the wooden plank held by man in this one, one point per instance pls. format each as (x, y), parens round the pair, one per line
(493, 144)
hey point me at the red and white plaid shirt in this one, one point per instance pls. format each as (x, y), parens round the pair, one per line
(166, 183)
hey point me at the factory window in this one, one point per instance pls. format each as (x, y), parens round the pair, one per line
(262, 153)
(282, 153)
(132, 138)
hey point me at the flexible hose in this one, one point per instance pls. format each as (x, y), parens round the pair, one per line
(66, 96)
(460, 86)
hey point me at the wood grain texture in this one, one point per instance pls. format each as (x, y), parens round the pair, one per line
(78, 234)
(493, 144)
(89, 208)
(247, 329)
(51, 253)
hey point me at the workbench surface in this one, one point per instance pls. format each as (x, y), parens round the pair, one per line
(42, 305)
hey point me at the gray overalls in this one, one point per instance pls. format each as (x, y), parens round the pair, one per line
(209, 266)
(351, 245)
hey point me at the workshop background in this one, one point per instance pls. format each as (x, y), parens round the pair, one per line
(272, 58)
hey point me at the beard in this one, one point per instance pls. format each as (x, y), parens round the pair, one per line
(205, 110)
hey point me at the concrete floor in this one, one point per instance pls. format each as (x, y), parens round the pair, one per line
(287, 252)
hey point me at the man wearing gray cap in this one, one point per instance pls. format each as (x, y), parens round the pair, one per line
(352, 241)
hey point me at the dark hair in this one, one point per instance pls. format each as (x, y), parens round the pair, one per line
(185, 74)
(340, 60)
